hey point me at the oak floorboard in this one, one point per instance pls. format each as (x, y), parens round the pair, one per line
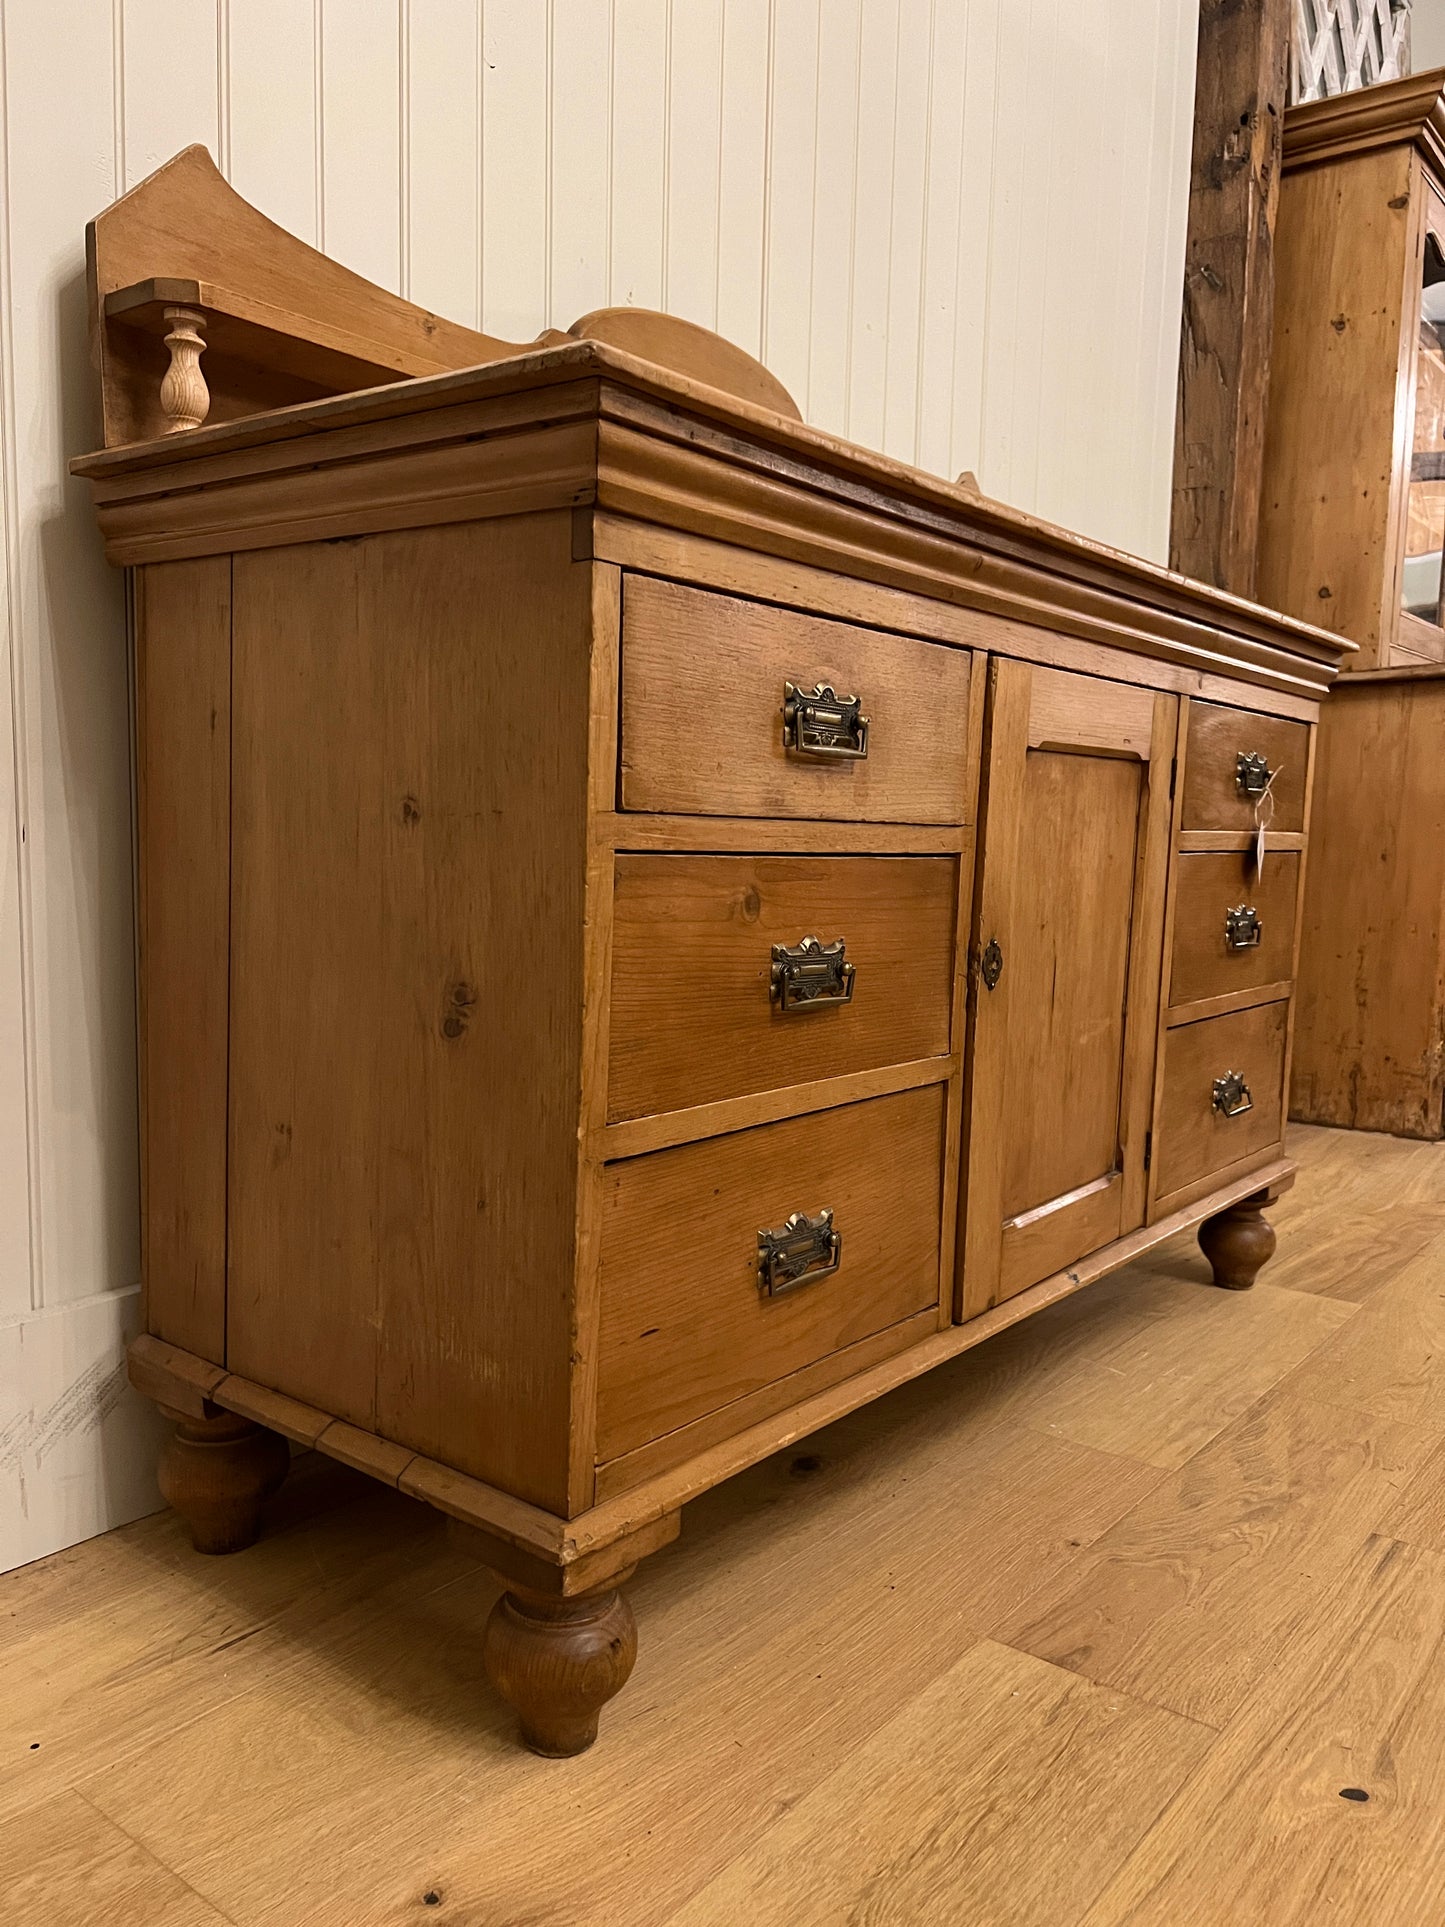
(1418, 1514)
(302, 1733)
(1364, 1205)
(1187, 1601)
(805, 1602)
(1390, 1358)
(1148, 1365)
(64, 1864)
(107, 1648)
(1261, 1832)
(1002, 1785)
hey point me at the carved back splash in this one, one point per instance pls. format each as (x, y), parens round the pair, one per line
(203, 310)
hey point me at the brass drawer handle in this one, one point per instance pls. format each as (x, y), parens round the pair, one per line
(823, 724)
(1251, 773)
(811, 975)
(1231, 1095)
(1242, 927)
(804, 1249)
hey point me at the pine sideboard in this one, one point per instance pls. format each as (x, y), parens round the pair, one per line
(656, 926)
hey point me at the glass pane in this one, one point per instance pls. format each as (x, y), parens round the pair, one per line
(1425, 518)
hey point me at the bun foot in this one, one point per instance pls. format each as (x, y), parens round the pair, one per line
(558, 1662)
(217, 1473)
(1238, 1243)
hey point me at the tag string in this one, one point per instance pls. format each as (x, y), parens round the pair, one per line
(1264, 817)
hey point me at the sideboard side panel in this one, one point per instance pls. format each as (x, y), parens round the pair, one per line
(183, 809)
(409, 860)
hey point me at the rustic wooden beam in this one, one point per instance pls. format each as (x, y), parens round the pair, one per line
(1228, 320)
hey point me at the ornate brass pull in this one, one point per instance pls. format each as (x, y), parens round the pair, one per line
(1251, 773)
(1242, 927)
(804, 1249)
(990, 964)
(823, 724)
(1231, 1095)
(811, 975)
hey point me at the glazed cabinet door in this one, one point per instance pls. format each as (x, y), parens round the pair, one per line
(1065, 967)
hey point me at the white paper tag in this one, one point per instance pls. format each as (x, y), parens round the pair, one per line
(1263, 817)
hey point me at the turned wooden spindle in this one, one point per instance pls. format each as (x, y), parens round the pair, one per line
(559, 1661)
(216, 1473)
(1238, 1242)
(185, 398)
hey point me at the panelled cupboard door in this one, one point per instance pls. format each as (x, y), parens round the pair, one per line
(1065, 966)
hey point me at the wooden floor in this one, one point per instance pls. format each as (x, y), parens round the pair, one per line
(1134, 1614)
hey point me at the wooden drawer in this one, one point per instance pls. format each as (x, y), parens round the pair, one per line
(696, 1016)
(1204, 962)
(684, 1326)
(702, 713)
(1194, 1137)
(1218, 737)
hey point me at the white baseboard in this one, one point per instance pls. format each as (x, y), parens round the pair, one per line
(77, 1446)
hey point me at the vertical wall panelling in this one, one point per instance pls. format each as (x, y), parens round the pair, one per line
(361, 136)
(515, 167)
(272, 103)
(442, 215)
(581, 159)
(975, 220)
(640, 34)
(16, 1298)
(955, 230)
(1171, 139)
(833, 216)
(906, 227)
(169, 56)
(743, 171)
(66, 608)
(694, 147)
(938, 327)
(792, 196)
(1075, 119)
(1019, 247)
(69, 1462)
(872, 221)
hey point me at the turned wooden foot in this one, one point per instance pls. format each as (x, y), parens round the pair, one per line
(1238, 1243)
(558, 1662)
(216, 1473)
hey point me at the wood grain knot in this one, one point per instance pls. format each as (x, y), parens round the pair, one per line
(461, 1002)
(410, 810)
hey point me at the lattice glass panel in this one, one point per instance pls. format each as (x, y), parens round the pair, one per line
(1339, 45)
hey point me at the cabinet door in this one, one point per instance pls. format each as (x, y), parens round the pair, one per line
(1064, 984)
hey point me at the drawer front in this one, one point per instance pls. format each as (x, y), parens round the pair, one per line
(1215, 792)
(685, 1327)
(1233, 930)
(1195, 1135)
(715, 992)
(703, 722)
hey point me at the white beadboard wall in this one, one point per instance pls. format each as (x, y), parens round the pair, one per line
(953, 227)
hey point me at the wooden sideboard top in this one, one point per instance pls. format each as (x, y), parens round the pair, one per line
(586, 425)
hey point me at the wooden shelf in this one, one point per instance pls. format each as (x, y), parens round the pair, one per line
(267, 337)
